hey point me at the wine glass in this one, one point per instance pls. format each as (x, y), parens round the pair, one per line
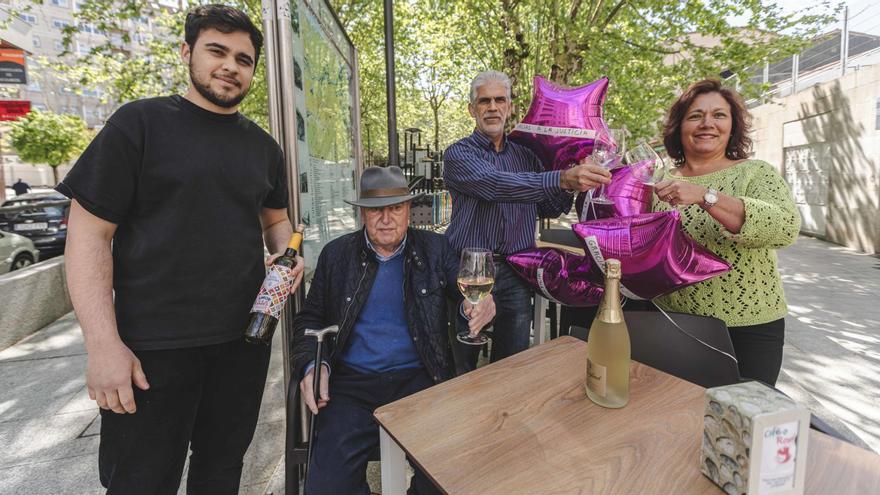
(647, 166)
(605, 155)
(476, 276)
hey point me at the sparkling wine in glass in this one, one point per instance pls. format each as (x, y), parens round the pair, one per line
(647, 166)
(605, 155)
(476, 276)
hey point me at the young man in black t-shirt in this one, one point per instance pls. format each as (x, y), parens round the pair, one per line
(172, 203)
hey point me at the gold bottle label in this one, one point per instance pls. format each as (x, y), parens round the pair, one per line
(597, 378)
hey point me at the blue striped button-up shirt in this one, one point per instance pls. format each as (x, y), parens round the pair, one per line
(497, 196)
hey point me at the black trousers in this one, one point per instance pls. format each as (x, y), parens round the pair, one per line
(206, 399)
(346, 433)
(758, 349)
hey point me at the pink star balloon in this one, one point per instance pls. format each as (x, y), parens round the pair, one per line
(558, 275)
(561, 122)
(656, 255)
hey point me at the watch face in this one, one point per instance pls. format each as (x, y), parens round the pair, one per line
(710, 198)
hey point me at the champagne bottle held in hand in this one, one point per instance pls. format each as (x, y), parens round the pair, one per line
(273, 294)
(608, 350)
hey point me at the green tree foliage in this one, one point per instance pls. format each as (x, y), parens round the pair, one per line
(650, 50)
(48, 138)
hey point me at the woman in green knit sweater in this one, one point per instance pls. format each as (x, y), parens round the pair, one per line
(740, 209)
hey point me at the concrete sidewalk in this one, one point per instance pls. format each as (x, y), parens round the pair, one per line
(832, 352)
(49, 427)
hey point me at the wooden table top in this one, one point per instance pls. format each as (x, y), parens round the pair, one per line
(525, 425)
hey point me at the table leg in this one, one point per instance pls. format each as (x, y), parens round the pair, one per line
(393, 465)
(540, 314)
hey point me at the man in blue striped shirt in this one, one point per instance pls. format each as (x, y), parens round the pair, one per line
(499, 189)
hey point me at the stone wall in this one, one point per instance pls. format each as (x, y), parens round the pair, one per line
(32, 298)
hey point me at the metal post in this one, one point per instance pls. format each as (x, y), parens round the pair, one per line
(391, 99)
(280, 84)
(795, 62)
(844, 41)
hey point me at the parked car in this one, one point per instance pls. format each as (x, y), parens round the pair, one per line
(41, 217)
(16, 252)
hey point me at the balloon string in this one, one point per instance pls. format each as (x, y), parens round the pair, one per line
(682, 330)
(591, 205)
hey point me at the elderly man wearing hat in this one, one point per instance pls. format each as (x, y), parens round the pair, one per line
(387, 287)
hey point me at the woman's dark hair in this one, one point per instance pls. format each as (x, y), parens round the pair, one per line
(223, 18)
(739, 145)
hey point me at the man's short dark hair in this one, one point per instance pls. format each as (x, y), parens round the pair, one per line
(223, 18)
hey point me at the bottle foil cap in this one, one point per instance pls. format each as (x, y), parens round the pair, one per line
(295, 241)
(612, 268)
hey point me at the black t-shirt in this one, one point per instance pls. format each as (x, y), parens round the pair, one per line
(186, 187)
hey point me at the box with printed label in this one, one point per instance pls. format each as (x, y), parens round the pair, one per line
(754, 440)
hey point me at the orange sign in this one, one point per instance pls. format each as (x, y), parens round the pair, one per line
(12, 66)
(13, 109)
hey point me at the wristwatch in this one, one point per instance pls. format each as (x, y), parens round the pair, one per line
(709, 199)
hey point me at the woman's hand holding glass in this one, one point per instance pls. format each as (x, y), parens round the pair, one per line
(680, 193)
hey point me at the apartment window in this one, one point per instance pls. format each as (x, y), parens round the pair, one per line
(89, 28)
(60, 23)
(83, 49)
(59, 45)
(60, 3)
(38, 106)
(94, 93)
(28, 18)
(37, 43)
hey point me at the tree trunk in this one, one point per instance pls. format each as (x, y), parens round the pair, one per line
(369, 147)
(55, 173)
(515, 56)
(436, 110)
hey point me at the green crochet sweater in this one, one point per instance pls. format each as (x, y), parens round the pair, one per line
(751, 292)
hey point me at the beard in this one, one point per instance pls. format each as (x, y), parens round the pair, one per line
(212, 96)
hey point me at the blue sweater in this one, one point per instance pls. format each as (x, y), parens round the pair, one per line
(380, 340)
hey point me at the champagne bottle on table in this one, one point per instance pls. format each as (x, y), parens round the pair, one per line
(273, 294)
(608, 349)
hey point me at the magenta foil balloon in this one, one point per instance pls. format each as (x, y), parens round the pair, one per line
(630, 196)
(656, 256)
(558, 275)
(561, 122)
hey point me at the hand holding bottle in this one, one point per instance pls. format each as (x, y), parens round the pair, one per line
(297, 270)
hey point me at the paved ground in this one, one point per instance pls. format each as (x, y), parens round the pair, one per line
(832, 352)
(48, 427)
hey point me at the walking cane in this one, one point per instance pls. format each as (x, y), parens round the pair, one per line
(316, 383)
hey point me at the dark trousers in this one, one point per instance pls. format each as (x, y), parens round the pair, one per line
(206, 399)
(512, 325)
(346, 433)
(758, 349)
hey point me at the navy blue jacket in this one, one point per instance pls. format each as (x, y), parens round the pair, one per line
(343, 279)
